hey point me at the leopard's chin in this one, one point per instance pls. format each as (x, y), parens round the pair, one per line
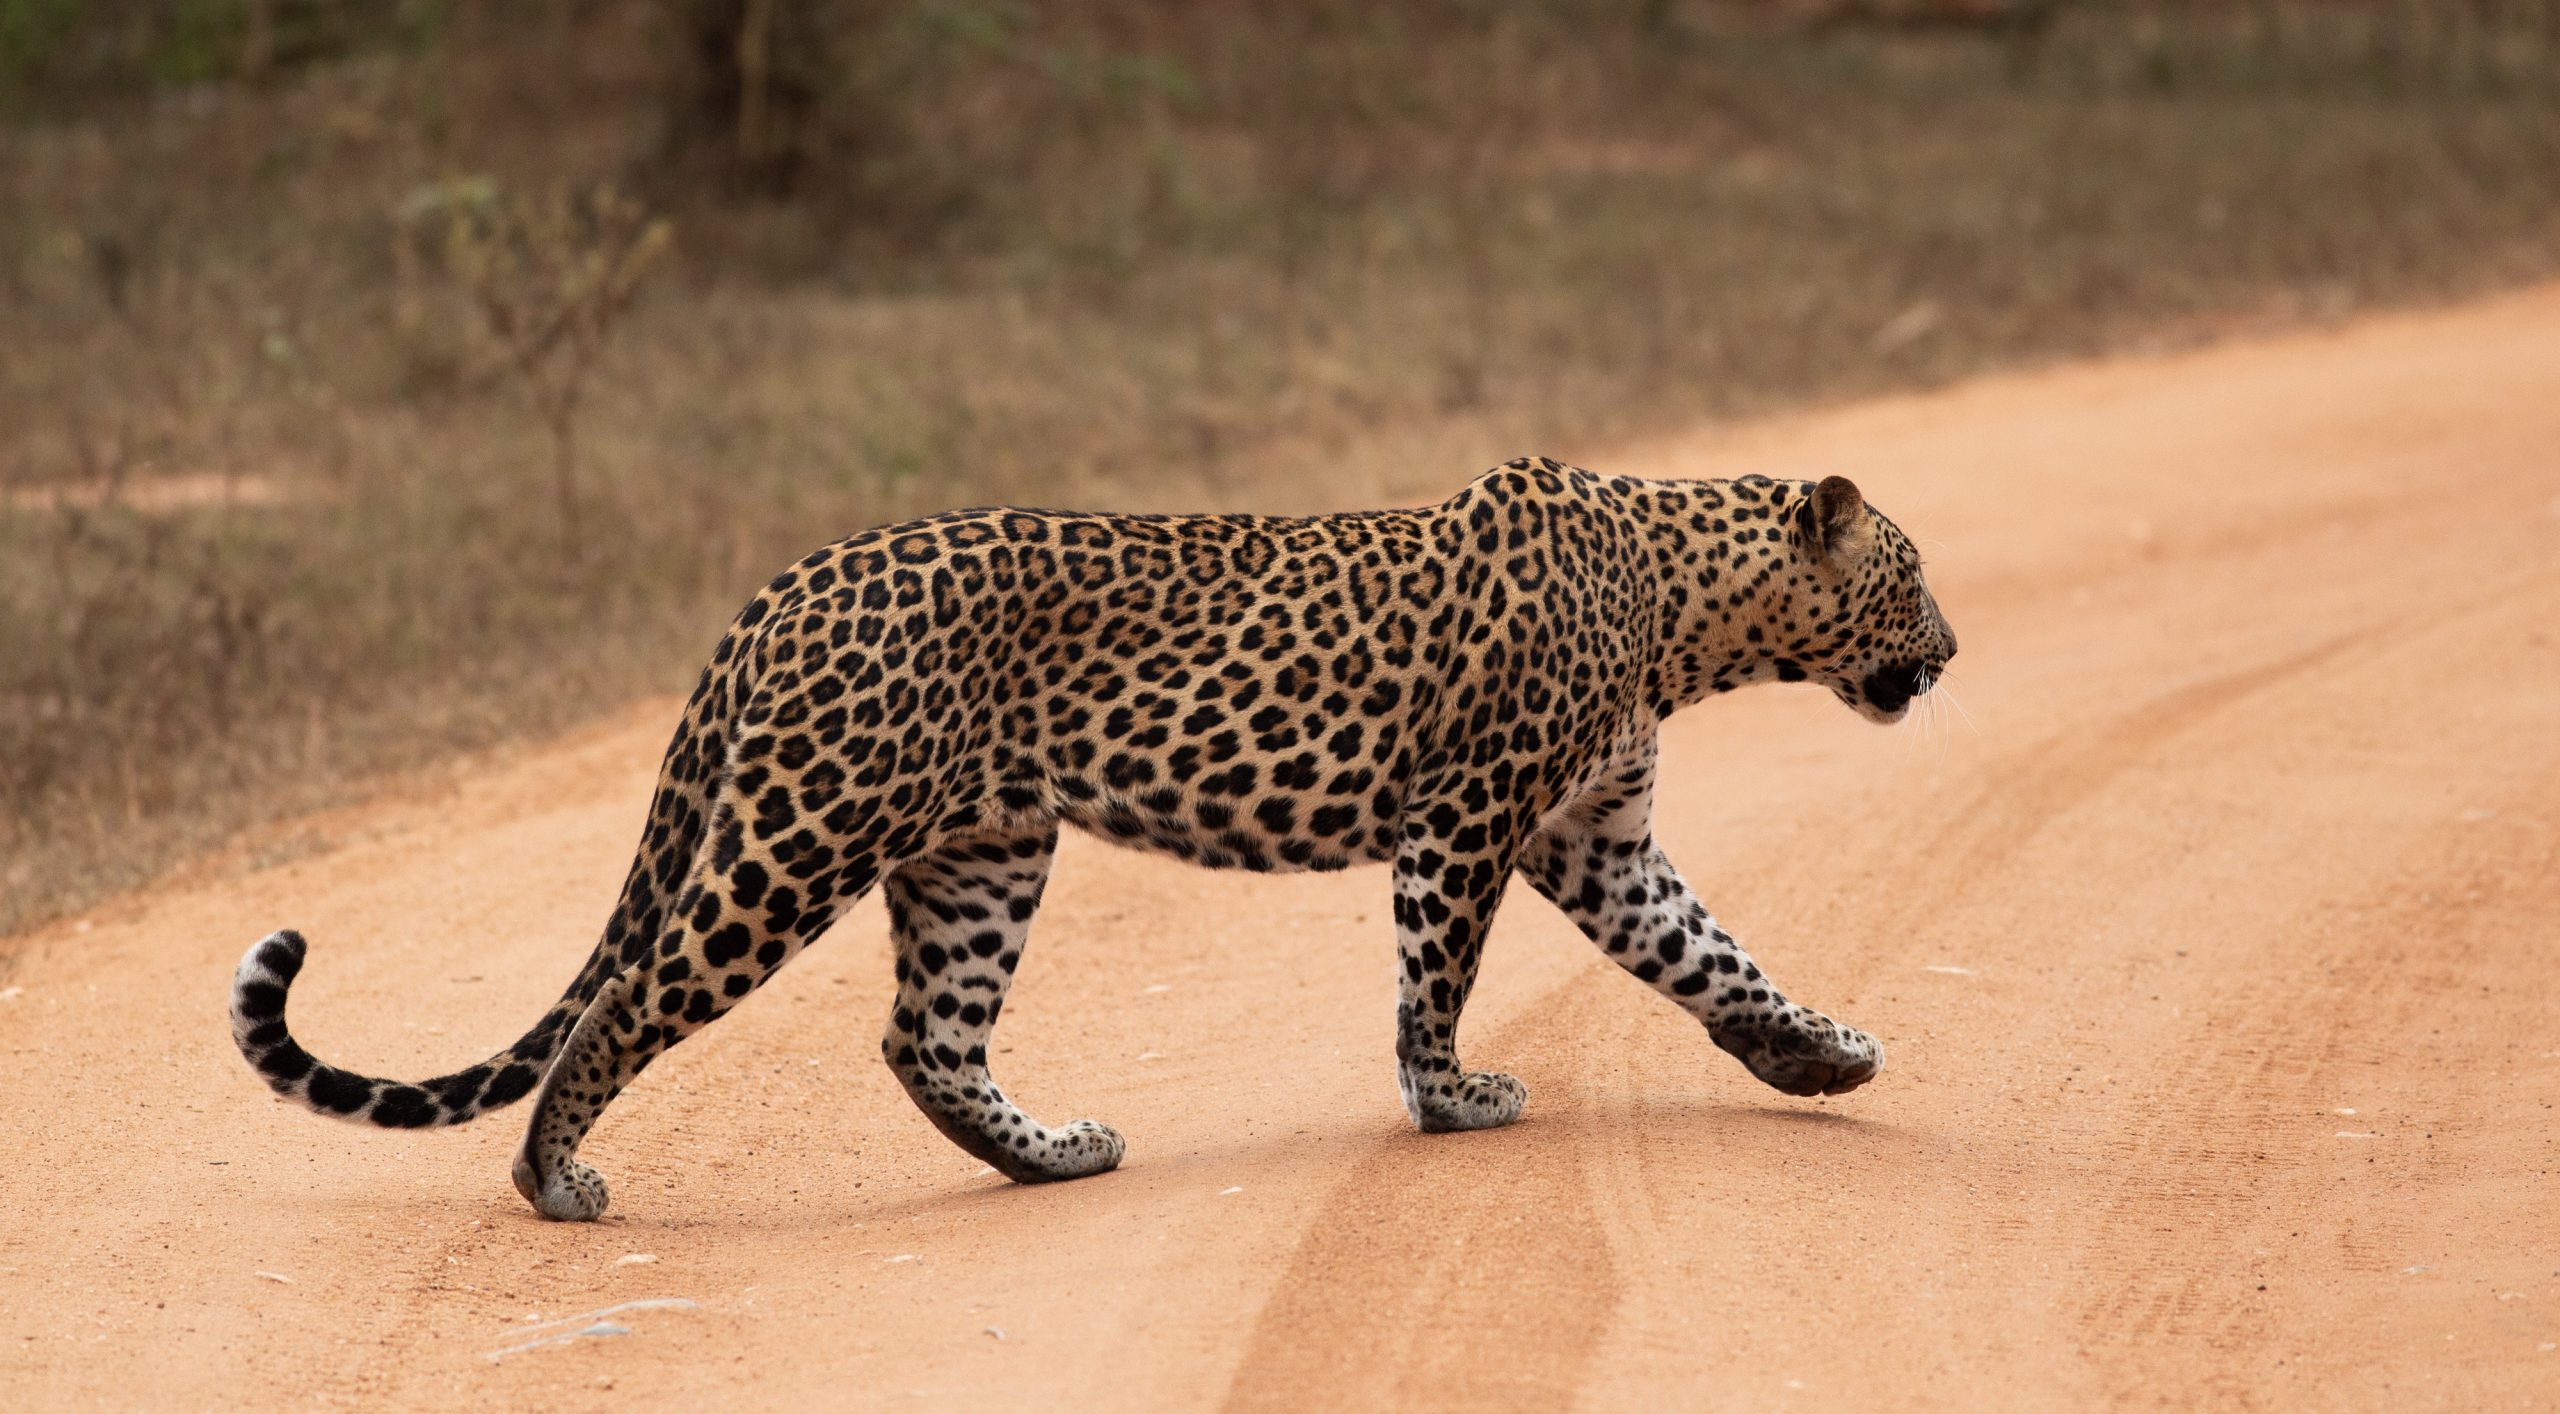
(1884, 696)
(1882, 713)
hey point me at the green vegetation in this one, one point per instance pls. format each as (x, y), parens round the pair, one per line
(283, 504)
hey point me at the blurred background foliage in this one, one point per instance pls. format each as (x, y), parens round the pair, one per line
(293, 491)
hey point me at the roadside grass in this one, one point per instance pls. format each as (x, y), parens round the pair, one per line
(274, 520)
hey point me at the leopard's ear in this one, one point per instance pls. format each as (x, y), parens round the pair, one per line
(1841, 535)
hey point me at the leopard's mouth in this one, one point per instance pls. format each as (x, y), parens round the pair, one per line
(1885, 695)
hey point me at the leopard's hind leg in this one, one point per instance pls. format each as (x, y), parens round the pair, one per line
(755, 898)
(960, 916)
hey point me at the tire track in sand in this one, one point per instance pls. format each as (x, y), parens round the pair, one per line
(1499, 1238)
(2026, 794)
(2199, 1200)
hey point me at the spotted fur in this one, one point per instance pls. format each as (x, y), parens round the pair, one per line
(1467, 692)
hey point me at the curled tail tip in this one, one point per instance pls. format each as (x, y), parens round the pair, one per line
(277, 957)
(258, 989)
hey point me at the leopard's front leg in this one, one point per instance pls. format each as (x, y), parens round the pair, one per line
(1450, 871)
(1598, 862)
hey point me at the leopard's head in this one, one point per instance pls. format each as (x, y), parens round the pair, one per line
(1889, 643)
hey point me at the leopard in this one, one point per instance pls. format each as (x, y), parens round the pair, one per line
(1467, 693)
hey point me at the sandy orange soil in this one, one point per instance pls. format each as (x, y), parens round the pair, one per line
(2212, 947)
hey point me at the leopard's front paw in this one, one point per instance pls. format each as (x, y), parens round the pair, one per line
(1479, 1099)
(1804, 1054)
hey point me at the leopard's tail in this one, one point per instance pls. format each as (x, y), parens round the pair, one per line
(678, 820)
(675, 829)
(257, 1027)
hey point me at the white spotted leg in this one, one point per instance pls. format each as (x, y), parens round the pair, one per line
(960, 916)
(1450, 869)
(1597, 861)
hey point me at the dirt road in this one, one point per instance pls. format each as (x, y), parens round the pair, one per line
(2212, 953)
